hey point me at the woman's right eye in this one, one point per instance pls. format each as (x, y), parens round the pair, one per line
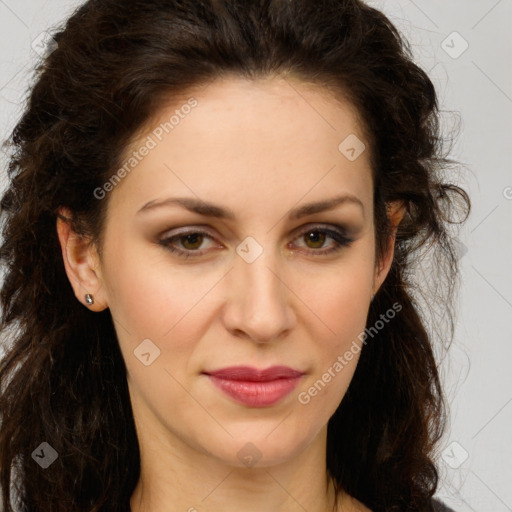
(190, 239)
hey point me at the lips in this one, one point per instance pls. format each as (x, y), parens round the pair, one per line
(253, 387)
(249, 374)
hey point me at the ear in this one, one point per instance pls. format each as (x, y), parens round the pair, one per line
(81, 262)
(395, 212)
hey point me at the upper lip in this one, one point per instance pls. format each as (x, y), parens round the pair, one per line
(251, 374)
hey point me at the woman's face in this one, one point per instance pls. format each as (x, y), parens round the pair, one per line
(258, 282)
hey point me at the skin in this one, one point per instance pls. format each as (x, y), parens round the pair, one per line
(260, 148)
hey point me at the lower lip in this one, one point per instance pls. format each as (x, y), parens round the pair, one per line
(256, 394)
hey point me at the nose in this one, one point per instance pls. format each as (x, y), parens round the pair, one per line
(259, 303)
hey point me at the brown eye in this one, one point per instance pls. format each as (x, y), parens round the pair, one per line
(190, 243)
(315, 239)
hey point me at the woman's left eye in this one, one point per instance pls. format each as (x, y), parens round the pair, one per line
(317, 236)
(192, 240)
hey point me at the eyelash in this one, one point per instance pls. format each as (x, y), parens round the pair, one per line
(340, 239)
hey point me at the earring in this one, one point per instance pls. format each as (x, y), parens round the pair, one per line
(373, 295)
(89, 299)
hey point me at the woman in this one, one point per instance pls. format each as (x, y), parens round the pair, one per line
(209, 236)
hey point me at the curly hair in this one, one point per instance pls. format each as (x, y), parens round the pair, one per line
(63, 377)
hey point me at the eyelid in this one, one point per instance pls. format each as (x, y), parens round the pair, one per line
(311, 226)
(185, 231)
(198, 228)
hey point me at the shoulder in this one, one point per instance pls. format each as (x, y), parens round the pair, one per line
(355, 505)
(439, 506)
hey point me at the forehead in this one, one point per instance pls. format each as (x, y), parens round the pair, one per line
(250, 140)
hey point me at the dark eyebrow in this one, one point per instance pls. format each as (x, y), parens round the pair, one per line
(193, 205)
(322, 206)
(212, 210)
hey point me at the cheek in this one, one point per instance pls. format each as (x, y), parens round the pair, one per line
(338, 301)
(338, 304)
(148, 295)
(157, 310)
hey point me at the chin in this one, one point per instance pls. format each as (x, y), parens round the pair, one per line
(263, 448)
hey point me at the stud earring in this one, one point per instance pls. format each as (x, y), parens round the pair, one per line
(89, 299)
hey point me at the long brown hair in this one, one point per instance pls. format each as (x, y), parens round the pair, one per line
(63, 378)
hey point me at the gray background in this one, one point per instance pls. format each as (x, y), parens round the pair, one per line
(475, 455)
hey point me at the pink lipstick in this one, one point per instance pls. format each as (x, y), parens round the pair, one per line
(253, 387)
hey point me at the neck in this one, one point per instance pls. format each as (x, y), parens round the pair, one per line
(174, 477)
